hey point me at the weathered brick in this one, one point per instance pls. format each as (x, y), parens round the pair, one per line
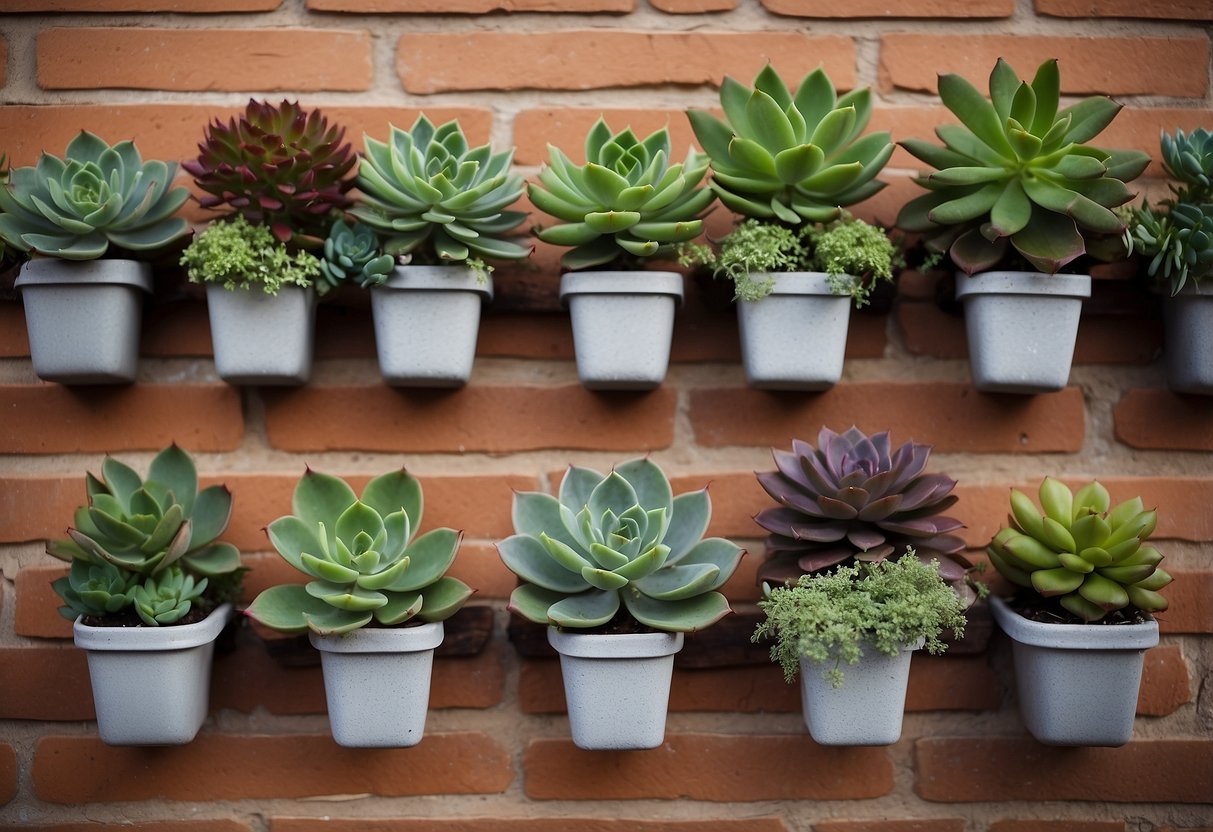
(3, 61)
(1057, 826)
(1190, 602)
(1161, 420)
(1165, 682)
(45, 683)
(1163, 9)
(81, 769)
(887, 9)
(36, 612)
(300, 60)
(492, 419)
(8, 773)
(14, 340)
(528, 824)
(526, 336)
(174, 6)
(927, 825)
(693, 6)
(968, 769)
(952, 417)
(50, 419)
(583, 59)
(471, 6)
(1111, 65)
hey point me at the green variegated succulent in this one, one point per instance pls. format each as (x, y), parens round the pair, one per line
(627, 202)
(1016, 173)
(1087, 555)
(619, 544)
(358, 553)
(352, 253)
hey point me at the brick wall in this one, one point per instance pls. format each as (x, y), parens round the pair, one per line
(496, 755)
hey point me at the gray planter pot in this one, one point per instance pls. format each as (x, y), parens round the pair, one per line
(150, 684)
(1021, 328)
(1189, 351)
(867, 709)
(1077, 683)
(426, 322)
(83, 318)
(623, 323)
(377, 684)
(262, 339)
(617, 687)
(795, 338)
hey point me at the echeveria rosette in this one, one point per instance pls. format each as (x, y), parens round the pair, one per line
(96, 196)
(626, 202)
(793, 158)
(1188, 158)
(1017, 173)
(618, 543)
(95, 588)
(360, 553)
(352, 253)
(855, 497)
(166, 598)
(1081, 551)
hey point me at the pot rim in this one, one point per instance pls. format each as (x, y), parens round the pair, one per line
(53, 271)
(614, 646)
(641, 282)
(799, 283)
(382, 639)
(1009, 282)
(436, 278)
(143, 639)
(1073, 636)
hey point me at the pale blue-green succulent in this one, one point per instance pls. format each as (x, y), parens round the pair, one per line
(352, 254)
(166, 598)
(92, 588)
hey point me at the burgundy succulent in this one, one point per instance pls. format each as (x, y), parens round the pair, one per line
(853, 497)
(282, 166)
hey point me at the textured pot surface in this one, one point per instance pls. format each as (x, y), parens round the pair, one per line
(83, 318)
(617, 686)
(867, 709)
(377, 684)
(150, 684)
(1077, 683)
(1021, 328)
(262, 339)
(427, 319)
(1189, 349)
(623, 323)
(795, 338)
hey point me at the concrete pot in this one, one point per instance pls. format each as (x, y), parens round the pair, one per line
(1021, 328)
(1189, 352)
(262, 339)
(426, 322)
(83, 318)
(1077, 683)
(623, 323)
(617, 687)
(377, 684)
(150, 684)
(867, 709)
(795, 338)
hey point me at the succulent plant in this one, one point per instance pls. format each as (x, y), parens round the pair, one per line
(167, 597)
(432, 196)
(854, 497)
(618, 543)
(95, 588)
(283, 167)
(791, 158)
(359, 555)
(626, 202)
(1019, 174)
(1088, 556)
(1188, 158)
(352, 253)
(1179, 241)
(74, 208)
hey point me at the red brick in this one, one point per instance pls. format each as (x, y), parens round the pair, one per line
(891, 10)
(3, 61)
(81, 769)
(1111, 65)
(492, 419)
(967, 769)
(1057, 826)
(8, 773)
(45, 683)
(1190, 599)
(158, 826)
(528, 824)
(50, 419)
(1163, 9)
(714, 767)
(526, 336)
(1185, 829)
(175, 6)
(928, 825)
(1165, 683)
(14, 341)
(952, 417)
(1161, 420)
(583, 59)
(470, 6)
(300, 60)
(693, 6)
(36, 612)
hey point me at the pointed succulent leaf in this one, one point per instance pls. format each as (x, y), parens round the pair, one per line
(430, 556)
(443, 598)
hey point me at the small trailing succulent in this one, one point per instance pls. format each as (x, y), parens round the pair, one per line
(618, 546)
(352, 254)
(240, 256)
(1081, 552)
(95, 197)
(1018, 175)
(148, 544)
(626, 204)
(829, 618)
(365, 567)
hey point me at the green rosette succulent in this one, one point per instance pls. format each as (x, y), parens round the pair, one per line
(1188, 158)
(1016, 173)
(626, 202)
(618, 543)
(168, 597)
(352, 254)
(74, 208)
(1090, 557)
(95, 589)
(360, 554)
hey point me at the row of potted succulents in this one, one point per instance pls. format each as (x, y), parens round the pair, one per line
(862, 571)
(1017, 194)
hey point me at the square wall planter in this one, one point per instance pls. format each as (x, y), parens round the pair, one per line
(794, 338)
(1189, 348)
(262, 339)
(867, 709)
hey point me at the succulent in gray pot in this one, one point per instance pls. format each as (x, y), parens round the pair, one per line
(617, 568)
(89, 221)
(1016, 182)
(626, 206)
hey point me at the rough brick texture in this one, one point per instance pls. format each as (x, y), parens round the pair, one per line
(931, 825)
(1158, 419)
(470, 6)
(1057, 826)
(157, 826)
(8, 773)
(176, 6)
(885, 9)
(560, 824)
(1164, 9)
